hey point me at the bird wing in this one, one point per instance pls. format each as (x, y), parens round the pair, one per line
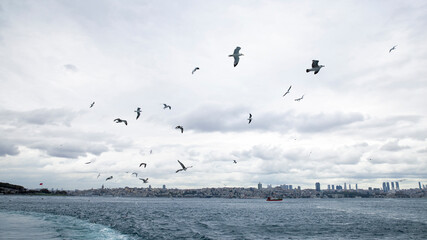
(137, 115)
(164, 105)
(179, 170)
(315, 64)
(236, 60)
(117, 120)
(289, 88)
(236, 51)
(250, 115)
(126, 122)
(316, 71)
(182, 165)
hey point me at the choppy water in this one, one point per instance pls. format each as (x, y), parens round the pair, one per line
(33, 217)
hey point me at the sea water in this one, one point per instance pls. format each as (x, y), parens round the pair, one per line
(48, 217)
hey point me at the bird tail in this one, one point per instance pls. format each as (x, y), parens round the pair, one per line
(307, 70)
(230, 55)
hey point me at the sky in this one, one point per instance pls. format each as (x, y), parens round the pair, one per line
(363, 118)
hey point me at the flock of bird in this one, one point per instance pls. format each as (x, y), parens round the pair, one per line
(315, 67)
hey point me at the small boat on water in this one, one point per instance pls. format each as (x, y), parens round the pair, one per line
(270, 199)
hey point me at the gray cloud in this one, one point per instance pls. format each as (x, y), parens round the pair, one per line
(393, 146)
(7, 148)
(70, 67)
(41, 116)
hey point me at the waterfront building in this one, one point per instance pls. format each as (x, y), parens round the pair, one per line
(356, 186)
(290, 187)
(388, 186)
(419, 184)
(384, 187)
(397, 186)
(259, 186)
(333, 187)
(345, 186)
(392, 185)
(339, 187)
(349, 186)
(318, 186)
(329, 187)
(164, 187)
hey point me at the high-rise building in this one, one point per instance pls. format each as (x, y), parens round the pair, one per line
(356, 186)
(333, 187)
(397, 186)
(290, 187)
(329, 187)
(349, 186)
(392, 185)
(259, 185)
(345, 186)
(419, 184)
(164, 186)
(299, 188)
(318, 186)
(388, 186)
(338, 187)
(384, 187)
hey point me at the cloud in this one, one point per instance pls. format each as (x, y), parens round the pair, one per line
(70, 67)
(7, 148)
(40, 116)
(393, 146)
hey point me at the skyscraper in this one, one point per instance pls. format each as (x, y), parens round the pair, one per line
(259, 185)
(329, 187)
(318, 186)
(419, 184)
(388, 186)
(397, 186)
(384, 187)
(356, 186)
(345, 186)
(392, 185)
(349, 186)
(333, 187)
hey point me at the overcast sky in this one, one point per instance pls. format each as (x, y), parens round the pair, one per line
(363, 118)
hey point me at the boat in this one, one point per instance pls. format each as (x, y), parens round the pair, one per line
(270, 199)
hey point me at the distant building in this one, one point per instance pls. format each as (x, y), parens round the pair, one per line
(318, 186)
(269, 186)
(349, 186)
(333, 187)
(329, 187)
(299, 188)
(290, 187)
(392, 185)
(345, 186)
(419, 184)
(339, 187)
(397, 186)
(259, 186)
(384, 187)
(388, 186)
(356, 186)
(164, 187)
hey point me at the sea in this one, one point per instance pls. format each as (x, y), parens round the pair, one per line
(67, 217)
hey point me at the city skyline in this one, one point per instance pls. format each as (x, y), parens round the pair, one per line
(69, 69)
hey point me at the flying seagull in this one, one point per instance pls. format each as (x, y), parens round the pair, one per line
(109, 178)
(144, 180)
(180, 127)
(145, 165)
(393, 48)
(250, 118)
(118, 120)
(99, 174)
(236, 56)
(234, 161)
(287, 91)
(91, 105)
(138, 112)
(315, 67)
(88, 162)
(299, 99)
(166, 106)
(183, 167)
(197, 68)
(136, 174)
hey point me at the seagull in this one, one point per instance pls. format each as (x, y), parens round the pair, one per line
(136, 174)
(109, 178)
(144, 180)
(250, 118)
(151, 151)
(315, 67)
(118, 120)
(393, 48)
(197, 68)
(138, 112)
(234, 161)
(287, 91)
(299, 99)
(88, 163)
(180, 127)
(99, 174)
(91, 105)
(145, 165)
(166, 106)
(236, 56)
(183, 167)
